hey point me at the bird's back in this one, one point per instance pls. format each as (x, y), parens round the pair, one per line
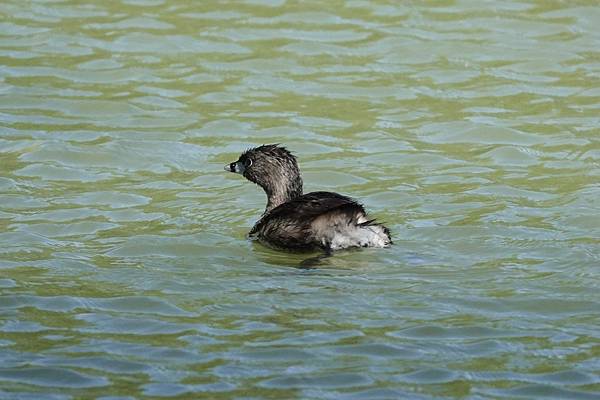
(320, 220)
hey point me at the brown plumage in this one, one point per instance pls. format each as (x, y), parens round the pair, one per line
(297, 221)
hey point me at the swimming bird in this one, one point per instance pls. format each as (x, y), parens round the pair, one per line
(296, 221)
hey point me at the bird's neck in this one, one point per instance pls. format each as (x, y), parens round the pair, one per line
(282, 192)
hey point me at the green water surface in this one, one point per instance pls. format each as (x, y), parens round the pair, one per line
(470, 128)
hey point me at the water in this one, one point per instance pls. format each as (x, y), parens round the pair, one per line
(469, 128)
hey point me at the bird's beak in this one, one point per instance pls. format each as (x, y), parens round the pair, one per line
(234, 167)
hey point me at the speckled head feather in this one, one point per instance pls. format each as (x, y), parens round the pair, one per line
(273, 168)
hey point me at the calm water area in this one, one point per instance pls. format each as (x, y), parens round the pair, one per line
(471, 128)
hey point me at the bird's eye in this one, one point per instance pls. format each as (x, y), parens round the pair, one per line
(232, 167)
(248, 162)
